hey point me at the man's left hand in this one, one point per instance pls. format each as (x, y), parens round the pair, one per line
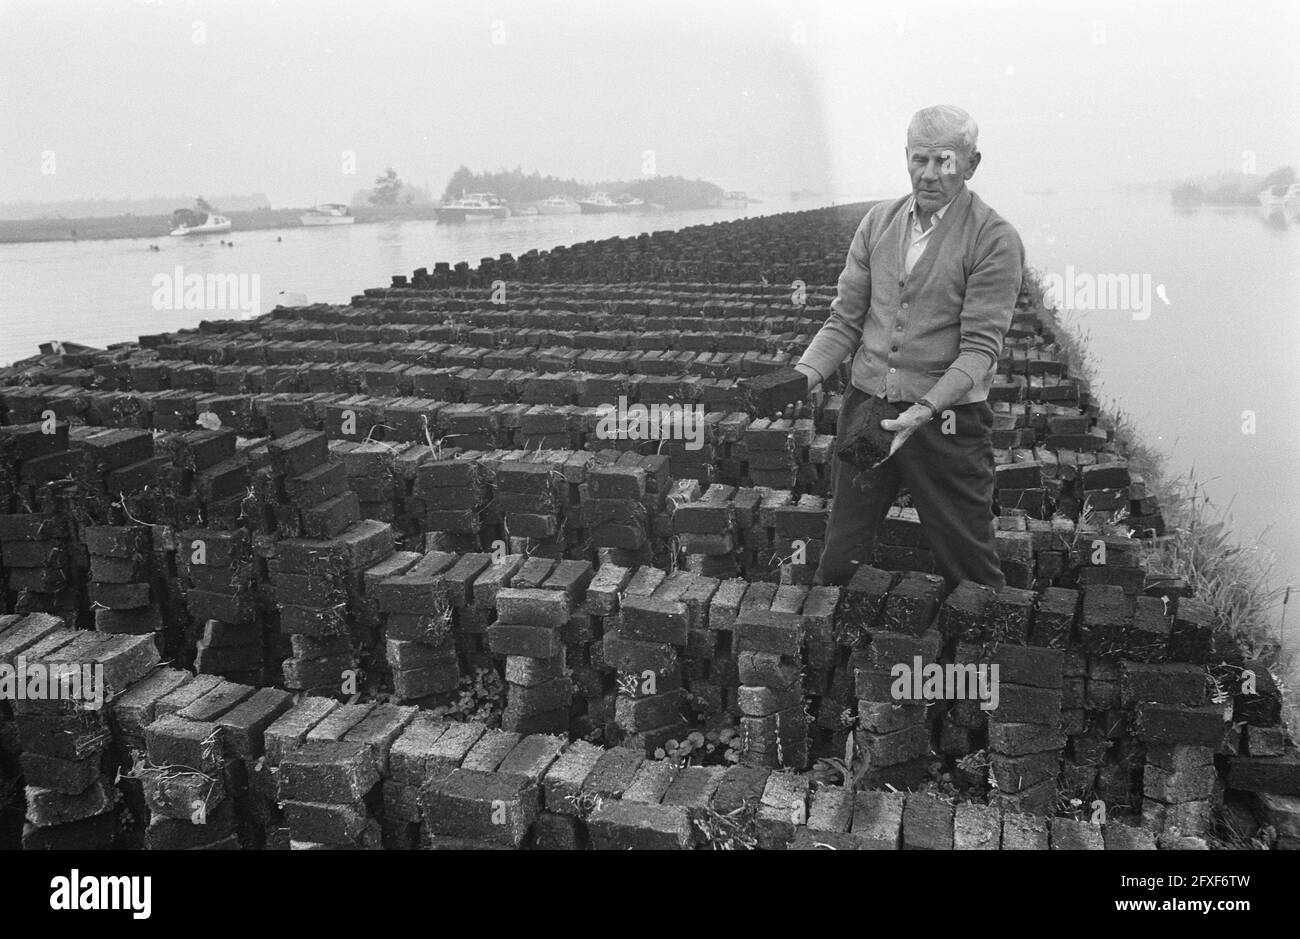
(906, 424)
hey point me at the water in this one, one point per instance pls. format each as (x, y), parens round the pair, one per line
(1223, 351)
(1226, 343)
(97, 292)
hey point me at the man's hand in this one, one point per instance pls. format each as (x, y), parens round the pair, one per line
(906, 424)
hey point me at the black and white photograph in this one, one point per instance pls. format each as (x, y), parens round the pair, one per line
(718, 426)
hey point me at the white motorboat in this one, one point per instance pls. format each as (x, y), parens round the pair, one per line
(557, 205)
(327, 213)
(190, 222)
(598, 203)
(602, 203)
(473, 206)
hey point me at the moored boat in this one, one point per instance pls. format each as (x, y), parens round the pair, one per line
(327, 213)
(557, 205)
(191, 222)
(474, 206)
(598, 203)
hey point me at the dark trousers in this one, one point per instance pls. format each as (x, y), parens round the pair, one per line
(950, 477)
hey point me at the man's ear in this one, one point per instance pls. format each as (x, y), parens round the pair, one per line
(974, 163)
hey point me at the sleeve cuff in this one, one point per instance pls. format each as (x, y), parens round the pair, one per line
(970, 366)
(808, 370)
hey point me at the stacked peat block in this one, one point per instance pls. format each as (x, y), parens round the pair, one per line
(408, 522)
(320, 724)
(130, 714)
(372, 474)
(308, 492)
(194, 784)
(329, 785)
(893, 731)
(452, 494)
(419, 608)
(1015, 548)
(644, 639)
(556, 676)
(704, 525)
(428, 749)
(66, 735)
(1050, 541)
(123, 580)
(964, 618)
(769, 639)
(530, 499)
(1103, 490)
(217, 570)
(214, 558)
(1106, 559)
(1182, 730)
(625, 510)
(494, 798)
(320, 584)
(770, 451)
(1266, 765)
(693, 450)
(38, 559)
(710, 670)
(828, 679)
(1019, 485)
(205, 485)
(800, 536)
(11, 831)
(901, 545)
(318, 576)
(32, 456)
(40, 571)
(477, 809)
(545, 427)
(759, 560)
(528, 631)
(115, 468)
(675, 614)
(1025, 738)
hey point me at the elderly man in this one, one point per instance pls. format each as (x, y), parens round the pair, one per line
(924, 303)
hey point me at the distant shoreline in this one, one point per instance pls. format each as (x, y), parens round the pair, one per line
(18, 231)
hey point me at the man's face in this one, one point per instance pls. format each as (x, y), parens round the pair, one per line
(938, 170)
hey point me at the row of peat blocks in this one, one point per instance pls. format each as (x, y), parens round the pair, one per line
(379, 575)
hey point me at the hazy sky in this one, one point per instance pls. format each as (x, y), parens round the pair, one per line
(133, 98)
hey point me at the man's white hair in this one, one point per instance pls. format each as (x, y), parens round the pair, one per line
(945, 123)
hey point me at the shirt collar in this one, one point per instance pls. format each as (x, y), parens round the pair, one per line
(938, 213)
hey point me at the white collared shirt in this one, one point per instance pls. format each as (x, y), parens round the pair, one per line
(919, 239)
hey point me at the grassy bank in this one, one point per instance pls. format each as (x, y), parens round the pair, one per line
(1236, 580)
(158, 226)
